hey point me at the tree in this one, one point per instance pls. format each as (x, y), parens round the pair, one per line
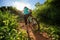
(48, 12)
(37, 4)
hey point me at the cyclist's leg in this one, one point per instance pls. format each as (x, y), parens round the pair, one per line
(25, 19)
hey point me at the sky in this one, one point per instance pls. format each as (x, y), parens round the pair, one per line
(20, 4)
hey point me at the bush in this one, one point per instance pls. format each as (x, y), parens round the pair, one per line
(8, 25)
(49, 12)
(52, 31)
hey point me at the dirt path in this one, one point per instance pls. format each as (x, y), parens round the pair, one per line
(33, 35)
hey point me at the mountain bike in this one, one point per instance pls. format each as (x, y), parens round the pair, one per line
(34, 24)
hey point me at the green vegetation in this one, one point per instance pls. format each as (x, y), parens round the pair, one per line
(52, 31)
(8, 25)
(48, 12)
(48, 15)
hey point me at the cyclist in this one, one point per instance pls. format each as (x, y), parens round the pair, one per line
(26, 14)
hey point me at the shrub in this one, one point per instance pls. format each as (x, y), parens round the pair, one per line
(52, 31)
(8, 25)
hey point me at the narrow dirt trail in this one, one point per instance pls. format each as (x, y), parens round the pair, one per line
(34, 35)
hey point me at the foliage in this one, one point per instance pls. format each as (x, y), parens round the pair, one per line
(37, 4)
(49, 14)
(52, 31)
(8, 25)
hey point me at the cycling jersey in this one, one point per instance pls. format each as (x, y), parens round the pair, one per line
(26, 11)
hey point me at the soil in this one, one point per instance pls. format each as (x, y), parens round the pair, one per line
(34, 35)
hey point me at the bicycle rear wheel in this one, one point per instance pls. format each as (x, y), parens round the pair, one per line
(34, 23)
